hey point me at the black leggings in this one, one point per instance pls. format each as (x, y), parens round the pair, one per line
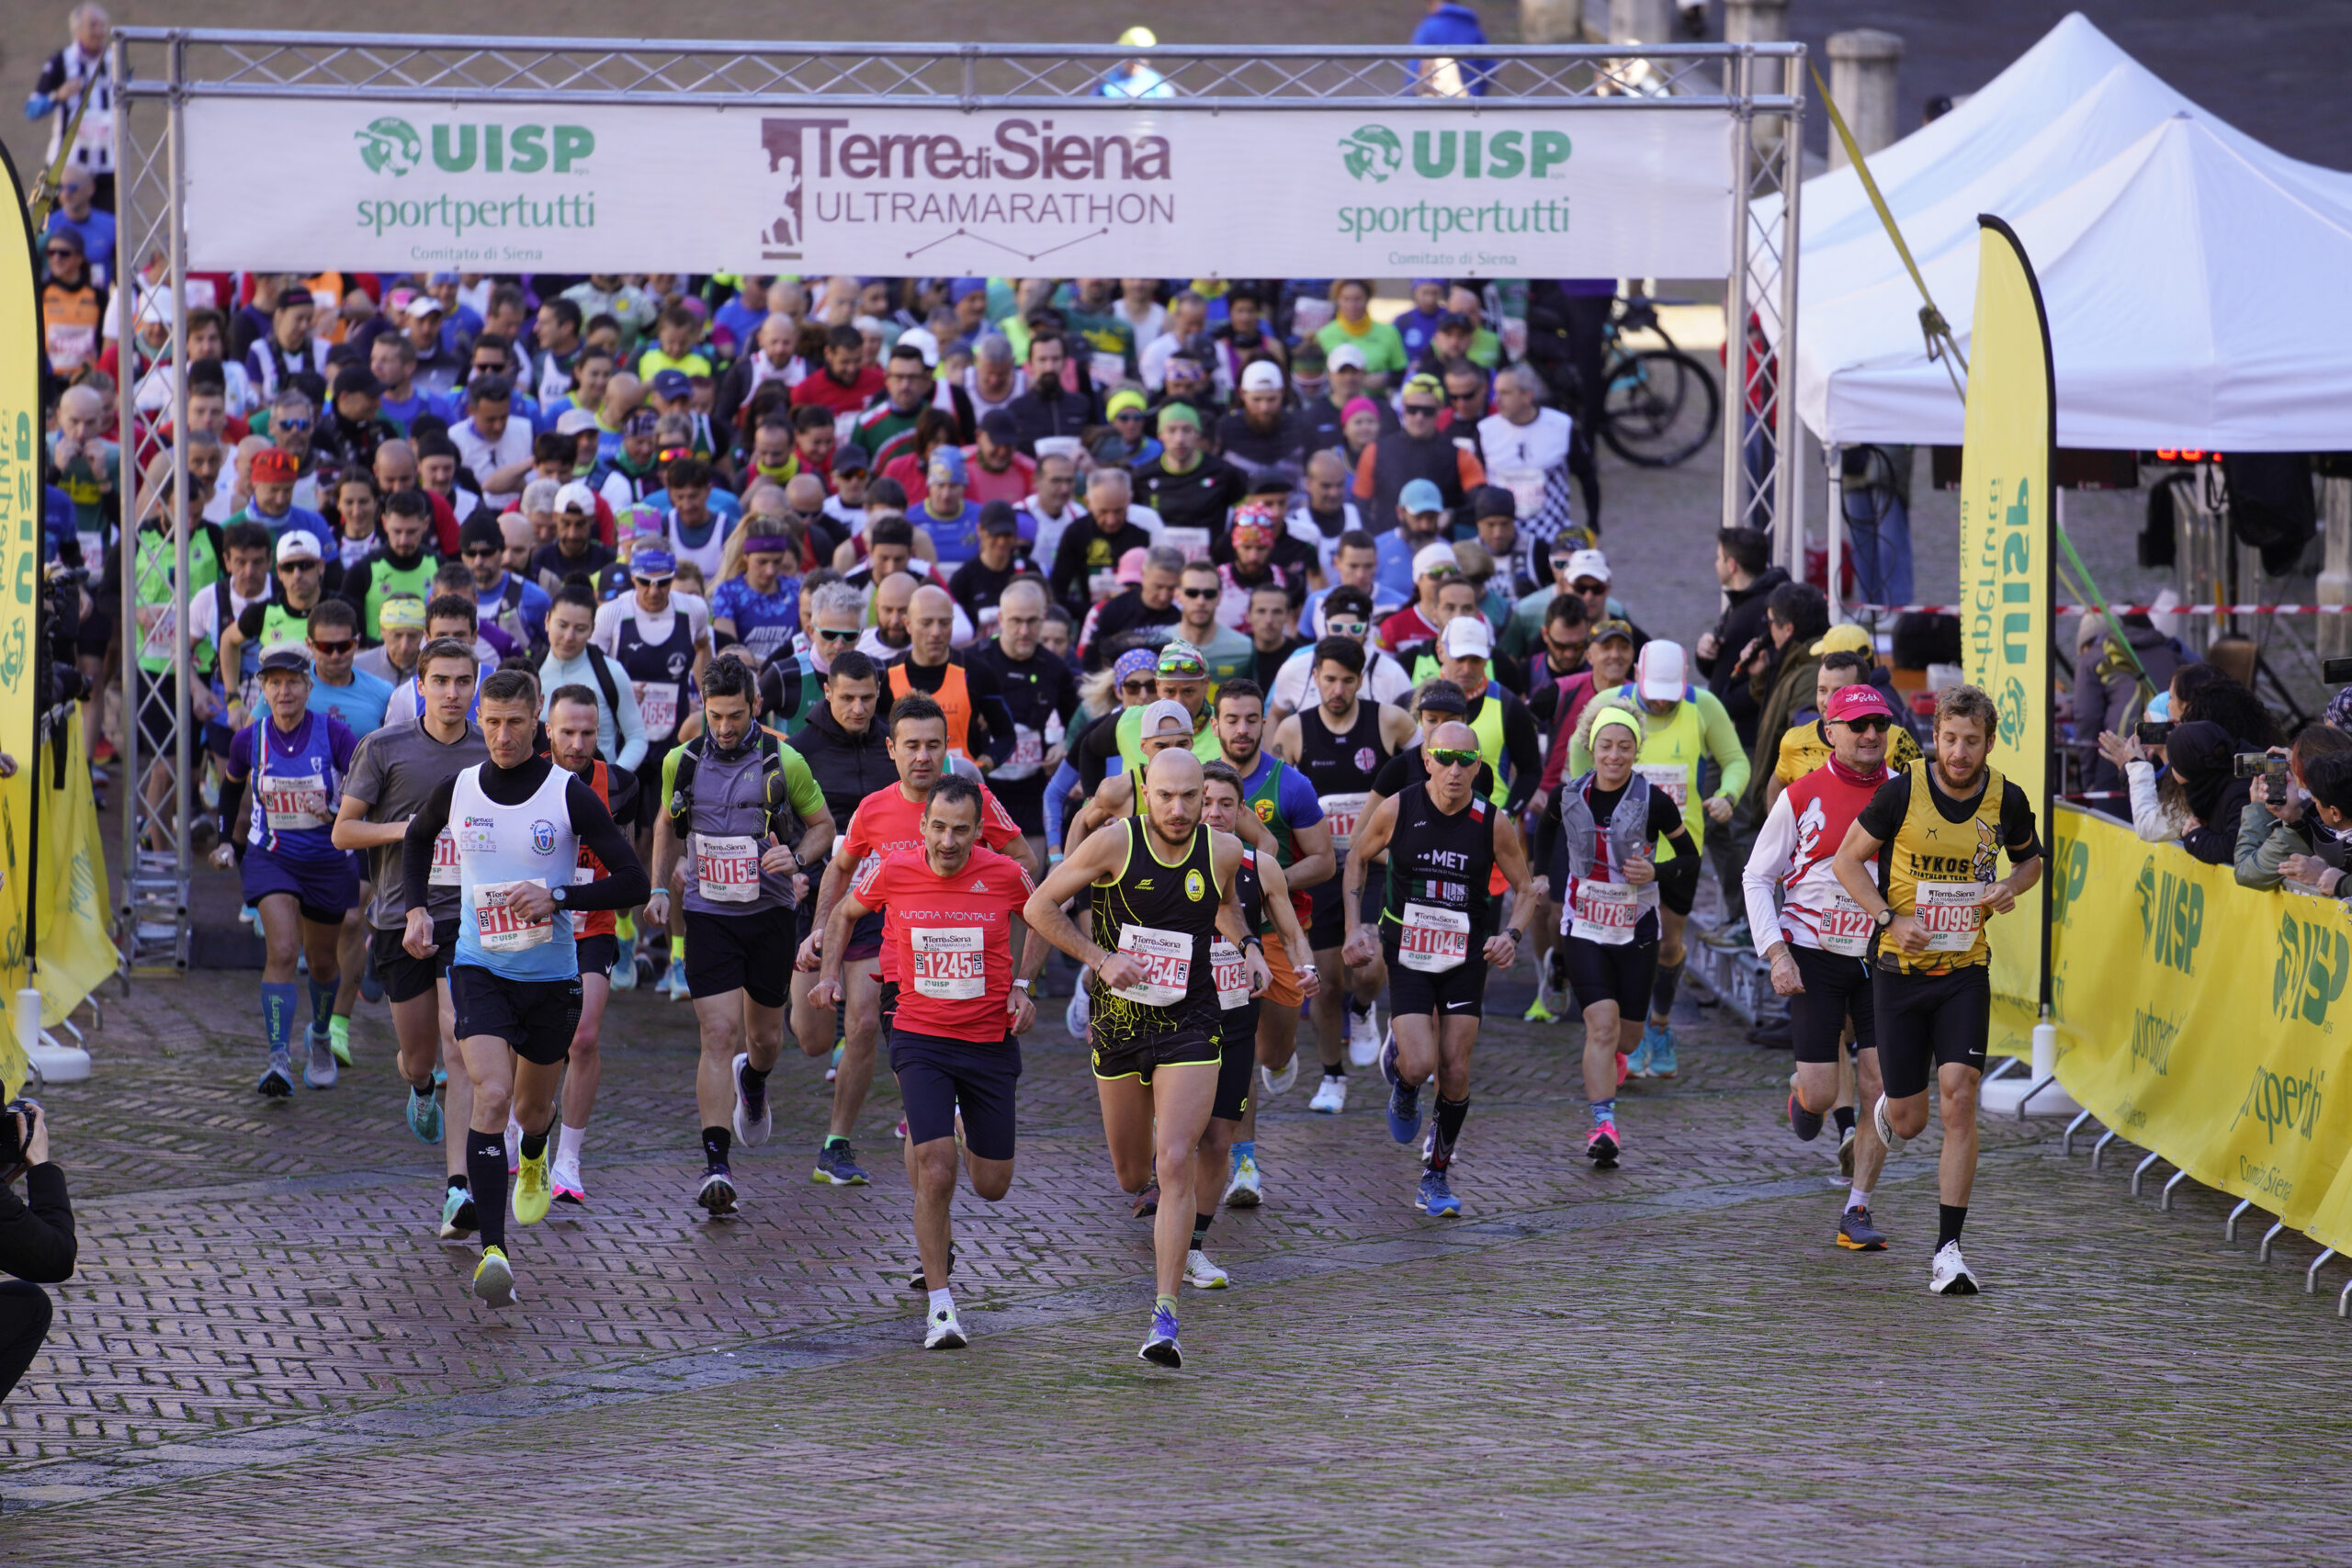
(25, 1312)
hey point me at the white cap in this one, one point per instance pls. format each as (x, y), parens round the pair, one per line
(1588, 563)
(297, 544)
(1163, 716)
(571, 422)
(1466, 636)
(922, 340)
(1659, 673)
(424, 305)
(1346, 354)
(1262, 376)
(1437, 555)
(576, 497)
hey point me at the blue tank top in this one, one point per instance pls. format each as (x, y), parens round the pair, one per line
(296, 784)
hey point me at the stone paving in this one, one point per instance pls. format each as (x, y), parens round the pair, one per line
(268, 1354)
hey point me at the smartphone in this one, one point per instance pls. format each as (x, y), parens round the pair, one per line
(2257, 765)
(2336, 672)
(2153, 734)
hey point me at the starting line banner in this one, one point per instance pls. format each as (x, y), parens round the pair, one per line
(1119, 191)
(2206, 1020)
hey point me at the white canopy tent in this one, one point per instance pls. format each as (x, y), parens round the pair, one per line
(2193, 277)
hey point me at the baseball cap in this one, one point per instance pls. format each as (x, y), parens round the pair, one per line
(1493, 500)
(1454, 320)
(1659, 672)
(1441, 696)
(297, 544)
(1179, 660)
(286, 657)
(997, 426)
(1466, 636)
(652, 566)
(851, 458)
(571, 422)
(947, 463)
(641, 422)
(1131, 565)
(671, 383)
(1847, 638)
(998, 517)
(1852, 702)
(1422, 495)
(1346, 356)
(1588, 563)
(921, 339)
(424, 305)
(576, 497)
(964, 285)
(1604, 630)
(67, 236)
(1262, 376)
(1164, 715)
(274, 465)
(1429, 558)
(1125, 398)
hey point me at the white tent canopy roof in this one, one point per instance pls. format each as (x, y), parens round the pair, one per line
(2193, 277)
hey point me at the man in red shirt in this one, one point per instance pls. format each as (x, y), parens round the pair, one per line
(947, 915)
(998, 469)
(885, 822)
(846, 383)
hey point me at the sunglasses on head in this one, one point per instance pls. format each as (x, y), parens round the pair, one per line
(332, 649)
(1877, 722)
(1447, 757)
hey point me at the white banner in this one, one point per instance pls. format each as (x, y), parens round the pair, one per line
(1118, 191)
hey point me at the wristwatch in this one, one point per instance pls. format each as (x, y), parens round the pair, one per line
(558, 892)
(1886, 916)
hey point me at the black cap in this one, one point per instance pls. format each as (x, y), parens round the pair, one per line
(999, 517)
(1344, 599)
(1493, 500)
(997, 426)
(479, 531)
(1455, 321)
(286, 657)
(851, 458)
(1441, 696)
(358, 379)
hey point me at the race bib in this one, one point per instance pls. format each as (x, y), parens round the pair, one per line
(587, 871)
(1028, 754)
(1232, 976)
(1951, 913)
(295, 801)
(1433, 940)
(500, 930)
(161, 638)
(727, 867)
(1166, 961)
(950, 963)
(1194, 542)
(1846, 930)
(1102, 585)
(1526, 487)
(444, 871)
(1674, 778)
(1109, 370)
(1605, 912)
(1340, 813)
(656, 705)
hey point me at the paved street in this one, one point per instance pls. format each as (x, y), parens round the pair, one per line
(267, 1352)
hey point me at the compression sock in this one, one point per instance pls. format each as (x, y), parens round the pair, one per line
(1244, 1148)
(716, 1142)
(755, 1076)
(458, 1182)
(625, 927)
(1844, 1115)
(1950, 1217)
(1662, 989)
(1165, 1303)
(277, 1006)
(534, 1144)
(322, 999)
(832, 1138)
(1858, 1198)
(567, 1146)
(1450, 1116)
(1604, 1111)
(1201, 1224)
(1338, 1069)
(486, 1175)
(677, 950)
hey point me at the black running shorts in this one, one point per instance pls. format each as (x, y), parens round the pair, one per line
(751, 953)
(1459, 992)
(1927, 1021)
(1835, 989)
(1138, 1058)
(536, 1017)
(1599, 973)
(405, 978)
(1240, 1060)
(937, 1077)
(599, 953)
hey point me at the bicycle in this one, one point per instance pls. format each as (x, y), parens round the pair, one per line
(1659, 405)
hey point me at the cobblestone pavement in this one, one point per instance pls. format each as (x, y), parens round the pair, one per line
(268, 1354)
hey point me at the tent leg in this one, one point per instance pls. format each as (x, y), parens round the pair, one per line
(2164, 1199)
(2098, 1150)
(2310, 1275)
(2230, 1226)
(2141, 1169)
(2066, 1139)
(2263, 1255)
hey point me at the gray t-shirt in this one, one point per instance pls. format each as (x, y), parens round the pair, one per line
(395, 771)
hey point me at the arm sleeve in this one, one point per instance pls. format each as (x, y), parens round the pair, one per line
(1882, 817)
(988, 701)
(1393, 777)
(1526, 756)
(625, 884)
(800, 785)
(416, 850)
(1723, 745)
(1058, 791)
(2148, 818)
(1363, 486)
(1665, 821)
(628, 719)
(1766, 862)
(2016, 823)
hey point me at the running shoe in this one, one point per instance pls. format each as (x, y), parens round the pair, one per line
(494, 1279)
(1203, 1275)
(1805, 1125)
(717, 1192)
(625, 968)
(1846, 1153)
(1602, 1147)
(1856, 1234)
(943, 1332)
(339, 1034)
(1363, 1033)
(457, 1220)
(1663, 1062)
(1404, 1112)
(1074, 1017)
(1886, 1126)
(837, 1164)
(674, 984)
(1159, 1347)
(320, 1070)
(533, 1189)
(566, 1178)
(277, 1080)
(754, 1118)
(1637, 1064)
(1279, 1083)
(425, 1114)
(833, 1067)
(1540, 1012)
(1241, 1191)
(1436, 1199)
(1147, 1202)
(1949, 1274)
(901, 1131)
(1331, 1095)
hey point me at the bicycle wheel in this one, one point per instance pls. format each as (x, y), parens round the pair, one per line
(1661, 407)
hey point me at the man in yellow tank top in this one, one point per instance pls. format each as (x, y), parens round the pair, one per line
(1936, 833)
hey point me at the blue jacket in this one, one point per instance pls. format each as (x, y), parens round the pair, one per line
(1453, 28)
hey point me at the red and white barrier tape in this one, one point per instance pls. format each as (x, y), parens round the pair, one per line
(2120, 609)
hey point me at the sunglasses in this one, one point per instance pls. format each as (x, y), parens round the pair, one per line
(482, 552)
(1135, 688)
(1348, 629)
(1465, 397)
(1876, 722)
(1572, 647)
(1203, 592)
(1424, 410)
(652, 581)
(830, 634)
(332, 649)
(289, 424)
(1590, 587)
(55, 252)
(1447, 757)
(1442, 572)
(286, 566)
(1120, 418)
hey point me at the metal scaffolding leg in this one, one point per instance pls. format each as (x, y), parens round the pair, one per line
(2230, 1226)
(2066, 1139)
(2141, 1169)
(2310, 1275)
(2098, 1150)
(2343, 1299)
(2263, 1255)
(2164, 1199)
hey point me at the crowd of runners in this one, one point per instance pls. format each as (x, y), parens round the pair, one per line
(860, 659)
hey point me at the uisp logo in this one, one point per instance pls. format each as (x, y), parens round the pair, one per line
(2172, 916)
(2314, 961)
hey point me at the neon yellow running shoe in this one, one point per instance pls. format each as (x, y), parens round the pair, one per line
(494, 1279)
(339, 1038)
(533, 1189)
(1537, 1012)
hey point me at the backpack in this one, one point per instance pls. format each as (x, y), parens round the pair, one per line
(782, 819)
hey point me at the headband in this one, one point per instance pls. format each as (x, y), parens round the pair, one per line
(1615, 715)
(402, 616)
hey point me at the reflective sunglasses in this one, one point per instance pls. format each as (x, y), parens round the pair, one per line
(1442, 572)
(289, 423)
(1447, 757)
(1356, 630)
(332, 649)
(836, 634)
(1572, 649)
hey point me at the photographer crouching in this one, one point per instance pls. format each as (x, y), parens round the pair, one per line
(36, 1238)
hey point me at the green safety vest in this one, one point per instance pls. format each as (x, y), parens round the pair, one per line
(1488, 726)
(280, 625)
(156, 557)
(384, 580)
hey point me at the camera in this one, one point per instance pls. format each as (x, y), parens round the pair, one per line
(2153, 733)
(14, 1135)
(2257, 765)
(2336, 672)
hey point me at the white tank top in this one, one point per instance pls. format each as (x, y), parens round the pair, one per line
(498, 845)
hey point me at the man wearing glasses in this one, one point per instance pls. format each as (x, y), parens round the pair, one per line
(1419, 451)
(359, 699)
(1227, 652)
(1435, 569)
(505, 599)
(284, 620)
(1578, 572)
(1346, 613)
